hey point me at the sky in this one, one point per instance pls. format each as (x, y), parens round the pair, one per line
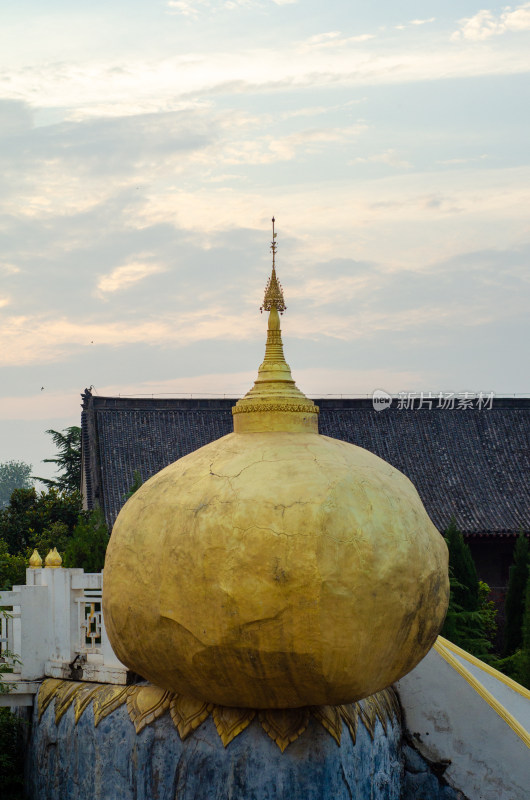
(145, 146)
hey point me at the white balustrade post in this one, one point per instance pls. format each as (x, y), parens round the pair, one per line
(62, 616)
(28, 629)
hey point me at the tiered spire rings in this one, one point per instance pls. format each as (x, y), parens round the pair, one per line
(274, 402)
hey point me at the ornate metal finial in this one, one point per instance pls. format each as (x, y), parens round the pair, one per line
(53, 559)
(35, 561)
(273, 291)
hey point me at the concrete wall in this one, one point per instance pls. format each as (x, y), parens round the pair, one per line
(455, 721)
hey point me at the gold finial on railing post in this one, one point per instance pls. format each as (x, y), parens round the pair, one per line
(35, 561)
(53, 560)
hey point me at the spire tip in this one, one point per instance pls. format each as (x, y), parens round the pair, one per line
(273, 291)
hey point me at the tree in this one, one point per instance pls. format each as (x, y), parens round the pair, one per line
(514, 605)
(517, 665)
(466, 588)
(11, 735)
(12, 567)
(524, 666)
(137, 482)
(13, 475)
(68, 460)
(11, 756)
(470, 619)
(87, 545)
(31, 515)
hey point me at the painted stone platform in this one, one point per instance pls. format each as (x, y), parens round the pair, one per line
(141, 743)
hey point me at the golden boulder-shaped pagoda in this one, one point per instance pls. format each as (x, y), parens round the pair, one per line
(275, 567)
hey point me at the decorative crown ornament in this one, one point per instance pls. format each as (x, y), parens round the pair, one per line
(53, 560)
(273, 290)
(35, 561)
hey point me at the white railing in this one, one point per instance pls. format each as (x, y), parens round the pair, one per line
(56, 628)
(90, 621)
(9, 637)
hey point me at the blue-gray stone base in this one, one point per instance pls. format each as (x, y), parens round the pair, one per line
(111, 762)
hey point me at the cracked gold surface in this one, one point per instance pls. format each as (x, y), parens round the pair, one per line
(274, 570)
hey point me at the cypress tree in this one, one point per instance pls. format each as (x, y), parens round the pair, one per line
(524, 669)
(515, 596)
(465, 621)
(464, 573)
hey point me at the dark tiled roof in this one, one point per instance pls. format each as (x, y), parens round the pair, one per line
(470, 464)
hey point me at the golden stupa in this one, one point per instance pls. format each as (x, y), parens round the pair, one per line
(275, 567)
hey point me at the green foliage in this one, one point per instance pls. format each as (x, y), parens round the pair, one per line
(515, 596)
(11, 756)
(466, 628)
(137, 482)
(68, 460)
(34, 519)
(517, 665)
(465, 587)
(57, 534)
(12, 567)
(7, 660)
(31, 513)
(87, 546)
(470, 621)
(11, 745)
(524, 666)
(13, 475)
(488, 610)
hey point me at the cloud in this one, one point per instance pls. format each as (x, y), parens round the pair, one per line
(43, 338)
(188, 8)
(389, 157)
(189, 78)
(44, 405)
(127, 275)
(341, 300)
(315, 382)
(4, 301)
(485, 23)
(468, 160)
(416, 22)
(194, 8)
(15, 118)
(270, 149)
(9, 269)
(332, 39)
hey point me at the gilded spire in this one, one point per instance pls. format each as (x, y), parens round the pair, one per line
(273, 290)
(274, 403)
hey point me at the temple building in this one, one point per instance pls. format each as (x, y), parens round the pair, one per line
(468, 463)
